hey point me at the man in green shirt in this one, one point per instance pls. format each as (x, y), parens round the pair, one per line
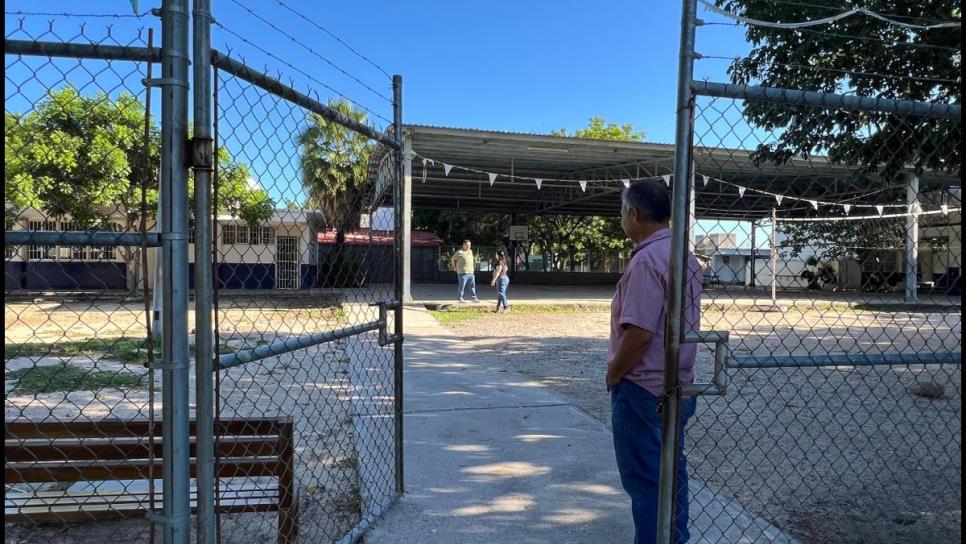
(464, 264)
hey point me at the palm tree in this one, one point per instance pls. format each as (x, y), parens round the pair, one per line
(335, 170)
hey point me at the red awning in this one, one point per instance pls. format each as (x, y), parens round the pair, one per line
(380, 237)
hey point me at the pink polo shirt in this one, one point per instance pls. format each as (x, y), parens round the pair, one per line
(641, 300)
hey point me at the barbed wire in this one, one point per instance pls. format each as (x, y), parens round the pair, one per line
(310, 50)
(333, 36)
(79, 15)
(845, 7)
(847, 36)
(825, 20)
(300, 71)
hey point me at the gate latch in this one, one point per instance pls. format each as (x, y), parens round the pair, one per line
(384, 337)
(722, 351)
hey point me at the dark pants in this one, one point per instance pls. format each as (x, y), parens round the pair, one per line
(637, 442)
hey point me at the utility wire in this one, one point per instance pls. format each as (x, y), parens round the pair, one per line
(825, 20)
(336, 38)
(310, 50)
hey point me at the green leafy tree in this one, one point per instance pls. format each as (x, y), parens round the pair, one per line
(867, 57)
(858, 55)
(83, 158)
(574, 238)
(335, 173)
(599, 129)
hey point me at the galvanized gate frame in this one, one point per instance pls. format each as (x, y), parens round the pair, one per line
(682, 218)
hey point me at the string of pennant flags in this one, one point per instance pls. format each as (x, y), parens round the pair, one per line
(779, 198)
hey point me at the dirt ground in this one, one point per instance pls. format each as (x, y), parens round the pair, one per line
(840, 454)
(312, 385)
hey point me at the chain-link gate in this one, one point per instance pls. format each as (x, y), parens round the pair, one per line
(832, 404)
(83, 437)
(279, 213)
(302, 318)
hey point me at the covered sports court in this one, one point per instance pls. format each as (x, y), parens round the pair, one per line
(533, 174)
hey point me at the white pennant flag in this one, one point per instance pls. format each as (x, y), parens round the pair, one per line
(945, 209)
(492, 178)
(424, 170)
(880, 208)
(814, 203)
(627, 183)
(704, 181)
(432, 162)
(779, 199)
(447, 168)
(667, 179)
(847, 207)
(583, 185)
(539, 183)
(741, 191)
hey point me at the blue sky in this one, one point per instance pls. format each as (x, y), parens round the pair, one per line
(529, 66)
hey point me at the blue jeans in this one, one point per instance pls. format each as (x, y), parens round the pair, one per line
(501, 285)
(637, 443)
(467, 279)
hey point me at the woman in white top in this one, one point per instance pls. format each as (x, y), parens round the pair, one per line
(501, 281)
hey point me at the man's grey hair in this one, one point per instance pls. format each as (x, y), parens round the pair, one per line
(651, 198)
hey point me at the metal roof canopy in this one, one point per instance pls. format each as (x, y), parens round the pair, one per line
(552, 157)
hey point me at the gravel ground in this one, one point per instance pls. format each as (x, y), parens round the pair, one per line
(826, 454)
(315, 385)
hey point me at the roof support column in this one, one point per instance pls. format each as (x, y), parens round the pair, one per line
(912, 240)
(407, 219)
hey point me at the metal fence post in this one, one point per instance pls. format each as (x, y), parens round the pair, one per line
(174, 296)
(680, 210)
(203, 162)
(400, 210)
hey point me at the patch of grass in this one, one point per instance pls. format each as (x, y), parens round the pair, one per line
(464, 313)
(348, 463)
(350, 501)
(124, 349)
(66, 377)
(899, 307)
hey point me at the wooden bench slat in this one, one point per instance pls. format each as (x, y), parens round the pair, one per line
(106, 450)
(127, 448)
(19, 429)
(127, 470)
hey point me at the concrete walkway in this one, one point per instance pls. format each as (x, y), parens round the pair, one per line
(493, 457)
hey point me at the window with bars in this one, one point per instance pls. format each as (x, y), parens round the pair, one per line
(262, 235)
(240, 234)
(228, 234)
(66, 253)
(37, 252)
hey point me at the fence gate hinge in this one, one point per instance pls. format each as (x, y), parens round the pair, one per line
(202, 153)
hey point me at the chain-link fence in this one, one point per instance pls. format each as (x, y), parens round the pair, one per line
(844, 393)
(828, 230)
(303, 422)
(298, 315)
(80, 163)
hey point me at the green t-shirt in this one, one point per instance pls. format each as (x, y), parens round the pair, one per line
(464, 261)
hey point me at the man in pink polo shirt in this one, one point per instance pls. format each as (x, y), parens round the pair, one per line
(635, 365)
